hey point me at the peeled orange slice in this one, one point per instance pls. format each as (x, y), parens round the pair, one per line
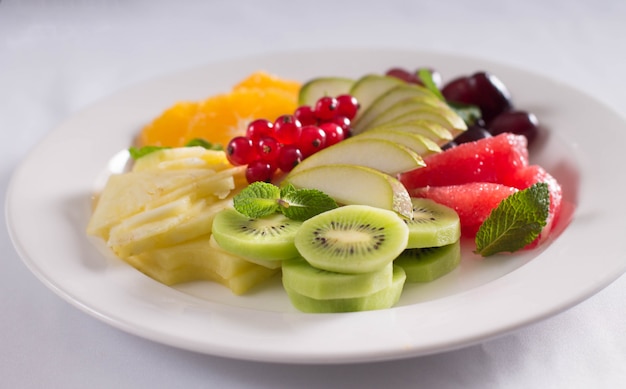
(221, 117)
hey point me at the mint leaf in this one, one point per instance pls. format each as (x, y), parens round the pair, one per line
(516, 222)
(203, 143)
(469, 113)
(138, 152)
(426, 77)
(285, 190)
(257, 200)
(302, 204)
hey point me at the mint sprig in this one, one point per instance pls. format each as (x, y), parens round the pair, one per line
(261, 199)
(468, 112)
(516, 222)
(138, 152)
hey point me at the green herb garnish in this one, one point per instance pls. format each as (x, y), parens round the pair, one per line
(426, 76)
(516, 222)
(138, 152)
(203, 143)
(261, 199)
(469, 113)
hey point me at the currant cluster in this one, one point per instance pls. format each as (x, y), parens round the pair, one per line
(280, 145)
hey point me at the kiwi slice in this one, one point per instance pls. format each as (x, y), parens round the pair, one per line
(302, 278)
(433, 224)
(429, 263)
(269, 238)
(385, 298)
(352, 239)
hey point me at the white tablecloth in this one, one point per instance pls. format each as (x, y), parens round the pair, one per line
(57, 57)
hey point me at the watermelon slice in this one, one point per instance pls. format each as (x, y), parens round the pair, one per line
(473, 201)
(530, 175)
(486, 160)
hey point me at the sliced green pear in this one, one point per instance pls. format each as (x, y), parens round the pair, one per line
(316, 88)
(409, 105)
(386, 101)
(420, 144)
(370, 87)
(431, 130)
(353, 184)
(386, 156)
(444, 117)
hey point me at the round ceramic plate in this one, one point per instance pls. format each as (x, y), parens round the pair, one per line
(48, 207)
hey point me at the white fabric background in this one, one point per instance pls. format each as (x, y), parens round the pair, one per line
(56, 57)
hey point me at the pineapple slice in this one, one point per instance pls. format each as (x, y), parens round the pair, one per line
(196, 260)
(130, 193)
(195, 222)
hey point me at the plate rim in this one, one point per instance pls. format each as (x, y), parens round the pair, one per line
(262, 355)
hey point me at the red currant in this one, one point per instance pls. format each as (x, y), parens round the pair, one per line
(334, 133)
(240, 151)
(305, 115)
(287, 129)
(347, 106)
(259, 171)
(289, 157)
(326, 108)
(312, 139)
(267, 149)
(259, 128)
(343, 122)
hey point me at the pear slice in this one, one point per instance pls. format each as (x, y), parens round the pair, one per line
(431, 130)
(442, 116)
(386, 101)
(370, 87)
(353, 184)
(319, 87)
(409, 105)
(386, 156)
(419, 143)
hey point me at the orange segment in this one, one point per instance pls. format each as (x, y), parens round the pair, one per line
(170, 128)
(263, 80)
(222, 117)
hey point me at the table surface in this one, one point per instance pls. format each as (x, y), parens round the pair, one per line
(58, 57)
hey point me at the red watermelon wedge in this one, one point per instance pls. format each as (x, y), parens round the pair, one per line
(486, 160)
(473, 201)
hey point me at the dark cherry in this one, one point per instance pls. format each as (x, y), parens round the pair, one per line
(517, 122)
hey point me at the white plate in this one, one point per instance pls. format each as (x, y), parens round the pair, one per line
(48, 206)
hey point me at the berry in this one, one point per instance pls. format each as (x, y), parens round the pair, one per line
(312, 139)
(347, 106)
(259, 128)
(240, 151)
(259, 171)
(334, 133)
(516, 122)
(326, 108)
(305, 115)
(267, 149)
(289, 157)
(287, 129)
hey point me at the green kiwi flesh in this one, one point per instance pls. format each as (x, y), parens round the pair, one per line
(433, 224)
(302, 278)
(385, 298)
(352, 239)
(429, 263)
(270, 238)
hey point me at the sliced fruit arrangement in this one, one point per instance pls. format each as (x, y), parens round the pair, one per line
(219, 118)
(346, 258)
(159, 216)
(378, 179)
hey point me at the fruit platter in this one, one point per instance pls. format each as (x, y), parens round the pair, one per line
(372, 208)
